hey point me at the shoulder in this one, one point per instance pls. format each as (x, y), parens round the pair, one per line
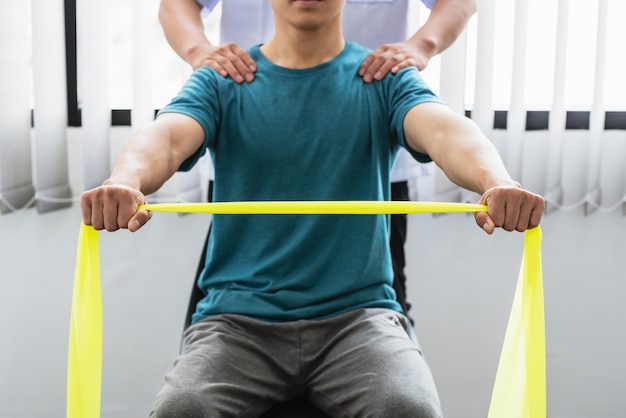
(407, 88)
(204, 78)
(354, 53)
(200, 87)
(409, 76)
(356, 49)
(205, 73)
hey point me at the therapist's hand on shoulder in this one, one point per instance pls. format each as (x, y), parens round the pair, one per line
(391, 58)
(229, 60)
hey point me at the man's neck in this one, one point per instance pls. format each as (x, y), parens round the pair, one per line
(293, 48)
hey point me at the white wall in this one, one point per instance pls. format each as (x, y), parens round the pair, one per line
(461, 286)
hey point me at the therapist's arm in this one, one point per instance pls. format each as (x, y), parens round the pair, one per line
(447, 19)
(184, 31)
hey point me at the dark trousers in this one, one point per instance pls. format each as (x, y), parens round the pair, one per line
(399, 191)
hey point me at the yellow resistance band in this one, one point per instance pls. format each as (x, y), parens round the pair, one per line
(520, 385)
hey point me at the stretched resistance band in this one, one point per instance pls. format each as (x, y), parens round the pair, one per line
(520, 385)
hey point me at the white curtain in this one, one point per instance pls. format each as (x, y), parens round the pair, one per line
(16, 180)
(51, 177)
(571, 168)
(143, 110)
(451, 91)
(93, 63)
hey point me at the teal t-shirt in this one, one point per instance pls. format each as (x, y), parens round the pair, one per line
(319, 133)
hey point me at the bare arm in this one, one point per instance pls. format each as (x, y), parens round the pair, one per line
(184, 32)
(145, 163)
(470, 160)
(447, 19)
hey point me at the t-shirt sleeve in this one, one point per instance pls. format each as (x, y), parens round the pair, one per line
(207, 5)
(427, 3)
(198, 99)
(407, 89)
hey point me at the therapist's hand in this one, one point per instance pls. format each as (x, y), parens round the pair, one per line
(229, 60)
(391, 57)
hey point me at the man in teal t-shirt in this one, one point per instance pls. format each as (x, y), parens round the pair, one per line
(303, 305)
(323, 135)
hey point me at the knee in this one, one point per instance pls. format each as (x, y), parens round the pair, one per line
(178, 404)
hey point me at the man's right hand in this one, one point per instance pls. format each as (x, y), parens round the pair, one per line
(229, 60)
(113, 207)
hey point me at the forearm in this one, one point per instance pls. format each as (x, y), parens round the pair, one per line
(448, 18)
(146, 161)
(150, 157)
(182, 26)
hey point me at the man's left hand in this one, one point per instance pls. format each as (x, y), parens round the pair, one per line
(510, 208)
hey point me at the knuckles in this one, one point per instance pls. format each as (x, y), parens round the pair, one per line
(513, 208)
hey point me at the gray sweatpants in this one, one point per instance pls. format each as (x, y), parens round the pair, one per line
(358, 364)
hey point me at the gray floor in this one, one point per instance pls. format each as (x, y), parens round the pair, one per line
(461, 293)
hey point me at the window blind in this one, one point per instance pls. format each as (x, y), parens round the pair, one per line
(494, 69)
